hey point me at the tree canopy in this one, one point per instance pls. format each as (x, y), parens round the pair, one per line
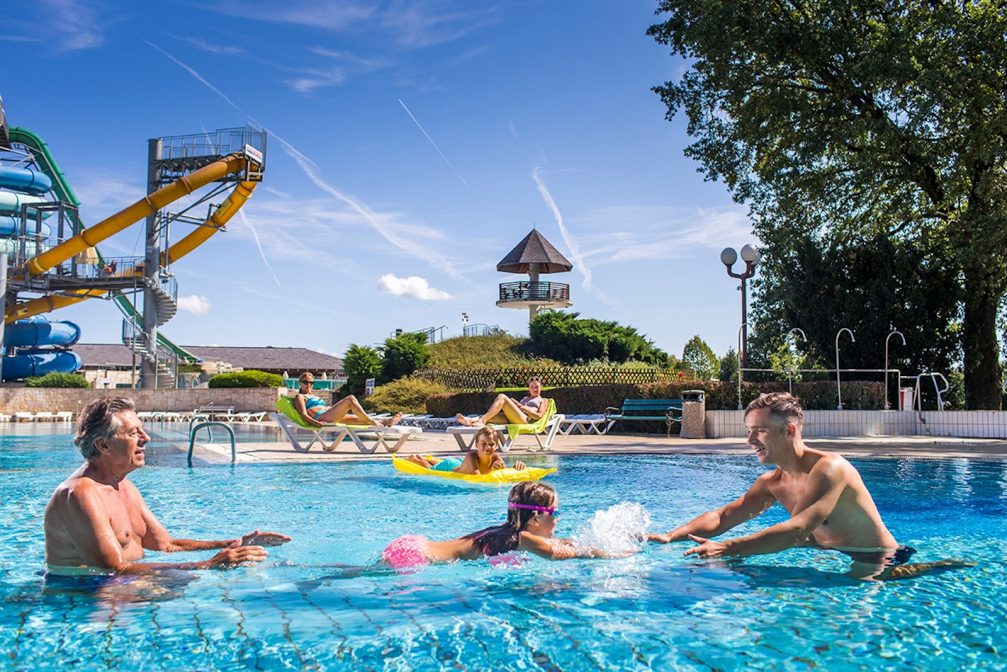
(402, 355)
(570, 339)
(699, 357)
(853, 119)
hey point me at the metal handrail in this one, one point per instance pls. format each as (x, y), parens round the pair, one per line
(790, 374)
(209, 424)
(533, 290)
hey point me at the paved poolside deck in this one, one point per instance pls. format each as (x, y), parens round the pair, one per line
(636, 444)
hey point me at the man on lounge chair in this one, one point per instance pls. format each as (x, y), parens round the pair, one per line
(829, 505)
(97, 522)
(506, 411)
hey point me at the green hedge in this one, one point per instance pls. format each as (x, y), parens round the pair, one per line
(408, 395)
(250, 378)
(720, 396)
(55, 379)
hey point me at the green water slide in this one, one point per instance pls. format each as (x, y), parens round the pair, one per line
(64, 193)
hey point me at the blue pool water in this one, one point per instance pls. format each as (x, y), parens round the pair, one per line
(307, 607)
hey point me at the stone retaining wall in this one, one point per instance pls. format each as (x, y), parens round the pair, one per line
(34, 399)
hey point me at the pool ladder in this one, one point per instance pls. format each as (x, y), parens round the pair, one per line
(200, 422)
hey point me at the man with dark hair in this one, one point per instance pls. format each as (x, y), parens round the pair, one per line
(97, 522)
(828, 502)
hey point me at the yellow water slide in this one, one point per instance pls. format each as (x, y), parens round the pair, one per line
(146, 206)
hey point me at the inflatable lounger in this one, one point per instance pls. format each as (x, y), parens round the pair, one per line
(508, 475)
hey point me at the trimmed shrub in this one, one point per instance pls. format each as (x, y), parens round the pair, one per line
(55, 379)
(408, 395)
(250, 378)
(720, 396)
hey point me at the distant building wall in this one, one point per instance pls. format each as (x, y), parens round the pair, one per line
(33, 399)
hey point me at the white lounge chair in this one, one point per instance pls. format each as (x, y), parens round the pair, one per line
(367, 438)
(64, 416)
(544, 430)
(24, 416)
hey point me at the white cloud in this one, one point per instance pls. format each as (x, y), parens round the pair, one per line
(413, 286)
(75, 24)
(196, 304)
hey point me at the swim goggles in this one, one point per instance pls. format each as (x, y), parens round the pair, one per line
(551, 510)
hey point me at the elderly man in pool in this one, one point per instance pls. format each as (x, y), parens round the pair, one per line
(829, 504)
(97, 522)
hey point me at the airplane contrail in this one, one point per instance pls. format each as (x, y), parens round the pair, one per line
(578, 258)
(258, 244)
(434, 144)
(310, 168)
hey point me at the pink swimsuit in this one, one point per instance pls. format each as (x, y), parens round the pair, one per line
(406, 552)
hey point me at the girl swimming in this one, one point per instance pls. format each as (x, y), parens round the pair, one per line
(483, 459)
(532, 510)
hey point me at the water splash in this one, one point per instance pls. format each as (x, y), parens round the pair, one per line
(620, 528)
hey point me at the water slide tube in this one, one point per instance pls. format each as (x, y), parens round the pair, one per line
(146, 206)
(64, 192)
(12, 202)
(39, 363)
(36, 331)
(9, 226)
(23, 179)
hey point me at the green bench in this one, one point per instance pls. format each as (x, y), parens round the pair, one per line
(668, 410)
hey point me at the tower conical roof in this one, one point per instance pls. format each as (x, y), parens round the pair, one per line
(534, 249)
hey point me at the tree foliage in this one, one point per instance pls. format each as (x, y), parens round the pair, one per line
(569, 339)
(402, 355)
(859, 118)
(699, 357)
(729, 365)
(871, 287)
(360, 362)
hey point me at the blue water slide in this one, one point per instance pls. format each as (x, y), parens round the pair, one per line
(9, 226)
(39, 363)
(23, 179)
(31, 333)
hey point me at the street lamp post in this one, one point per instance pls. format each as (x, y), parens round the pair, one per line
(743, 327)
(839, 389)
(750, 256)
(888, 404)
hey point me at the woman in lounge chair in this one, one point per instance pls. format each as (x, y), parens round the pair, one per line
(347, 410)
(506, 411)
(532, 510)
(482, 460)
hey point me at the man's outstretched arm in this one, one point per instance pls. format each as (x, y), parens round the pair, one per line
(718, 521)
(825, 485)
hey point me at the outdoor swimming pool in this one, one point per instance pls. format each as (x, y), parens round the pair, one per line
(656, 610)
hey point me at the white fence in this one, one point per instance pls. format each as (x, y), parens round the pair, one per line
(819, 424)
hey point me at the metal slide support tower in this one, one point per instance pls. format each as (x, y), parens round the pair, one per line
(168, 159)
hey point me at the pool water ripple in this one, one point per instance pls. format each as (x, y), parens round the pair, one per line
(321, 603)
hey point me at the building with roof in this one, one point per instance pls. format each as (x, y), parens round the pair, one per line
(109, 364)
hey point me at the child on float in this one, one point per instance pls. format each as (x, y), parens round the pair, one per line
(532, 510)
(483, 459)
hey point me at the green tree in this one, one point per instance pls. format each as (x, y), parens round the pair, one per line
(570, 339)
(360, 362)
(698, 356)
(402, 355)
(729, 365)
(859, 117)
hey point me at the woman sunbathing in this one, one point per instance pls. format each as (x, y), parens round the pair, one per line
(506, 411)
(532, 510)
(347, 410)
(482, 460)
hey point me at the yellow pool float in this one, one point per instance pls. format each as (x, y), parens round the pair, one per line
(508, 475)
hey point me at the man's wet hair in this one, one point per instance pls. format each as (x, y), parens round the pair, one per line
(98, 420)
(782, 406)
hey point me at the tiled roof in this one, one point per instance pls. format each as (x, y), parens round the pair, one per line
(292, 360)
(534, 249)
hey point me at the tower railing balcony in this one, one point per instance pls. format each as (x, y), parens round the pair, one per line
(526, 292)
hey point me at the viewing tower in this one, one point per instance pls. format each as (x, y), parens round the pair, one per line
(534, 255)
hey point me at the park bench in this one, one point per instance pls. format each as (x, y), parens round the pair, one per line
(668, 410)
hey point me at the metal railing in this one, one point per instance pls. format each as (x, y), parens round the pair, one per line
(481, 330)
(527, 290)
(790, 375)
(221, 142)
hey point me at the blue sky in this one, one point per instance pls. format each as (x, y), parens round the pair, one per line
(412, 145)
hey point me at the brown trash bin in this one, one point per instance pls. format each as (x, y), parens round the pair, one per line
(693, 414)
